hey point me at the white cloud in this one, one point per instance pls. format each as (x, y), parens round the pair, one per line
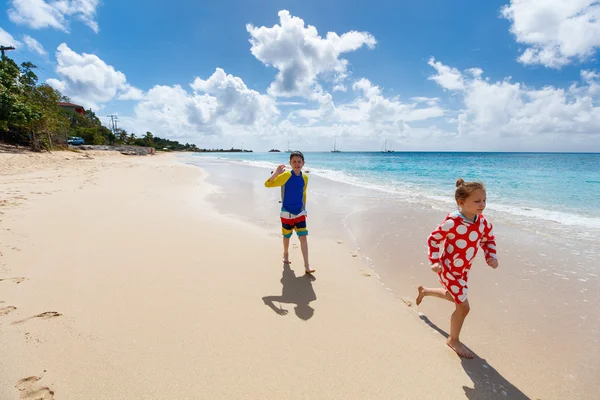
(366, 87)
(290, 103)
(173, 112)
(302, 56)
(556, 31)
(431, 101)
(378, 110)
(6, 39)
(34, 46)
(505, 113)
(131, 93)
(88, 80)
(446, 77)
(370, 115)
(38, 14)
(221, 104)
(235, 101)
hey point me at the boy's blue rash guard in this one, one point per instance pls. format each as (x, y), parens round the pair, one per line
(293, 190)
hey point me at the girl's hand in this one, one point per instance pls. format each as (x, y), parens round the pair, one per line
(492, 262)
(436, 268)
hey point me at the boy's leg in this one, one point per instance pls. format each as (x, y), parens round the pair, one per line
(286, 248)
(302, 232)
(442, 293)
(304, 247)
(456, 322)
(286, 231)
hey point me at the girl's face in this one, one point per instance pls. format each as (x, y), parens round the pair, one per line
(474, 204)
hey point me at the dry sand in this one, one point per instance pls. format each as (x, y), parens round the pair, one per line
(119, 280)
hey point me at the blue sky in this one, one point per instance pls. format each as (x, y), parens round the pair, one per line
(429, 75)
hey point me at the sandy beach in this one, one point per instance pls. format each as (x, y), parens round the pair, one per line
(123, 277)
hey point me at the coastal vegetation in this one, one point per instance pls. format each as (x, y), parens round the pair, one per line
(31, 115)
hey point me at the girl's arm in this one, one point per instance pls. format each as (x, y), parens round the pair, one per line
(488, 241)
(437, 237)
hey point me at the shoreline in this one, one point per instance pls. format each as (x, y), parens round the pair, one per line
(118, 281)
(520, 294)
(162, 295)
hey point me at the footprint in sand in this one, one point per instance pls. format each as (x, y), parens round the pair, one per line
(363, 273)
(406, 301)
(30, 389)
(6, 310)
(45, 315)
(14, 280)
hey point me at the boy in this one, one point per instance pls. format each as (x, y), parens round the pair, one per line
(293, 202)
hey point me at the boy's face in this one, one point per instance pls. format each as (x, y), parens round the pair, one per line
(296, 163)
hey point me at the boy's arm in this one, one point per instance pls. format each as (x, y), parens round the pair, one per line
(304, 191)
(437, 237)
(277, 180)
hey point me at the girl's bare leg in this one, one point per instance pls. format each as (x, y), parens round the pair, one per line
(456, 322)
(435, 292)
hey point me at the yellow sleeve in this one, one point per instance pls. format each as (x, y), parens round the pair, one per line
(280, 180)
(305, 187)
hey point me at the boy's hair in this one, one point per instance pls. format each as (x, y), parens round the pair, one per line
(465, 189)
(296, 153)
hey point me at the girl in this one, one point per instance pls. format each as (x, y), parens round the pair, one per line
(452, 249)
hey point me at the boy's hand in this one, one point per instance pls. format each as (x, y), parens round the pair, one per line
(437, 268)
(492, 262)
(279, 170)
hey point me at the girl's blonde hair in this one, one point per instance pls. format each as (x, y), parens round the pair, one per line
(465, 189)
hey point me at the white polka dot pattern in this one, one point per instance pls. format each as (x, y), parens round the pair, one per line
(454, 244)
(470, 253)
(449, 224)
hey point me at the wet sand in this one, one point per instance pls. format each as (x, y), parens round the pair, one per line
(534, 318)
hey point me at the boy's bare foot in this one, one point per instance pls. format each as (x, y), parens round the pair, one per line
(459, 348)
(421, 294)
(286, 258)
(308, 270)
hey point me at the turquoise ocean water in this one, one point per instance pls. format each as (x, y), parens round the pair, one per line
(546, 213)
(554, 188)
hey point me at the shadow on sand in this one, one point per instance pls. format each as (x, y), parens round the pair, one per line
(487, 382)
(296, 290)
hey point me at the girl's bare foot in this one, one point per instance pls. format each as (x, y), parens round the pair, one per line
(421, 294)
(459, 348)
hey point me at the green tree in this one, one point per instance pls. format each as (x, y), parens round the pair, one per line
(122, 136)
(149, 139)
(14, 113)
(132, 139)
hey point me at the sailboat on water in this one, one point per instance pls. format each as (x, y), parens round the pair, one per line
(385, 149)
(335, 150)
(288, 148)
